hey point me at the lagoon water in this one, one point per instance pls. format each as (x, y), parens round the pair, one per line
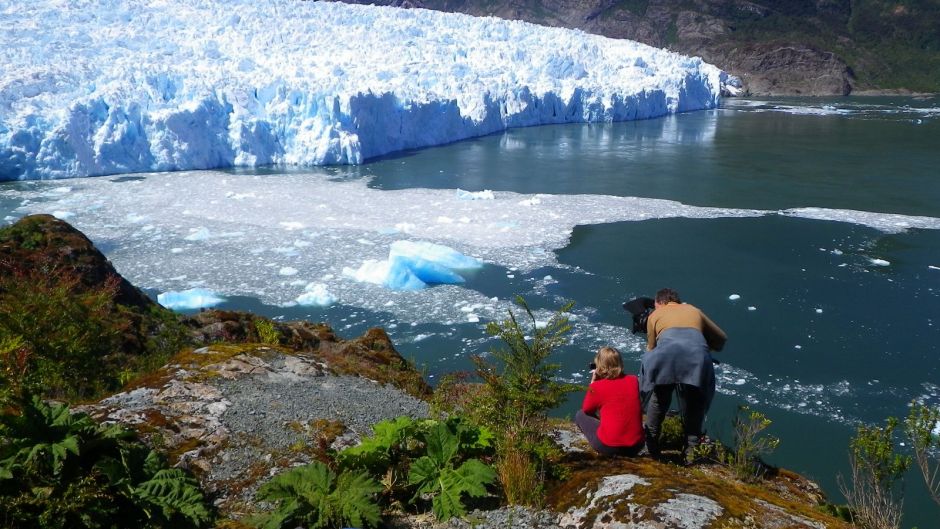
(833, 316)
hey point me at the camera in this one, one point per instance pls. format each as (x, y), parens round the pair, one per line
(593, 366)
(640, 308)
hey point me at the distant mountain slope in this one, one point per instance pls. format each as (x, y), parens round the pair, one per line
(798, 47)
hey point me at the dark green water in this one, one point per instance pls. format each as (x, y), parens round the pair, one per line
(836, 323)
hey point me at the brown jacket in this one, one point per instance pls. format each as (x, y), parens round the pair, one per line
(683, 315)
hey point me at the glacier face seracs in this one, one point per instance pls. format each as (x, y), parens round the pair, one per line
(115, 86)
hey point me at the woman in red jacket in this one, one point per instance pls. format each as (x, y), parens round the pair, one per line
(610, 417)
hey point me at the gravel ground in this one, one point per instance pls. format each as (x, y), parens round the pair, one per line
(263, 409)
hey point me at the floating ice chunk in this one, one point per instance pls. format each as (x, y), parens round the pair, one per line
(381, 273)
(932, 267)
(486, 194)
(879, 262)
(414, 265)
(405, 227)
(819, 311)
(734, 297)
(176, 250)
(292, 225)
(199, 234)
(797, 346)
(194, 298)
(436, 253)
(316, 294)
(534, 201)
(239, 196)
(740, 382)
(752, 307)
(427, 271)
(63, 215)
(287, 271)
(837, 252)
(473, 318)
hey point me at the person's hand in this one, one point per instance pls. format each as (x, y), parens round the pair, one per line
(593, 376)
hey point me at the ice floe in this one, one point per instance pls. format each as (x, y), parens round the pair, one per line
(194, 298)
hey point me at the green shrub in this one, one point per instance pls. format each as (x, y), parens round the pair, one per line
(63, 327)
(672, 433)
(519, 391)
(59, 470)
(874, 490)
(420, 460)
(315, 497)
(267, 332)
(750, 444)
(438, 476)
(920, 426)
(63, 339)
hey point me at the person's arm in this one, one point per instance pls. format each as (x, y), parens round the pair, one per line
(714, 336)
(591, 401)
(651, 332)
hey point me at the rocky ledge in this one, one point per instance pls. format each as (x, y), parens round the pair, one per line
(238, 413)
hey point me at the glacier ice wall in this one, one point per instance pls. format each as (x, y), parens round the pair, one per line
(113, 86)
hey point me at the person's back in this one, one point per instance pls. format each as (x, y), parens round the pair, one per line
(610, 416)
(618, 403)
(682, 315)
(679, 337)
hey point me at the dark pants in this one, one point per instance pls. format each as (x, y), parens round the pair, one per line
(589, 424)
(691, 409)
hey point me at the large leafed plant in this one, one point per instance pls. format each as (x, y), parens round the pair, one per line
(63, 470)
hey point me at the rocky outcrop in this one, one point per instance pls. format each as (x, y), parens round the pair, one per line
(44, 242)
(236, 414)
(641, 493)
(776, 48)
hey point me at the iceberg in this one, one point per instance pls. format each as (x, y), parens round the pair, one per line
(194, 298)
(111, 86)
(316, 294)
(414, 265)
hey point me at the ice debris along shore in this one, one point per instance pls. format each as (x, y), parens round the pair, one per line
(110, 86)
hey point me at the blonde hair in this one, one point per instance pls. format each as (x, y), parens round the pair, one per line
(609, 363)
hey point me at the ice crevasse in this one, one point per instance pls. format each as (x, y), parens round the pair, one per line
(114, 86)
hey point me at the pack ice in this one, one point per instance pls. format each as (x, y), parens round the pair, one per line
(115, 86)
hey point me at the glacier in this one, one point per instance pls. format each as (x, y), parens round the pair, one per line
(114, 86)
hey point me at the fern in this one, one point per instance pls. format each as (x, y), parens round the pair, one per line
(176, 494)
(377, 452)
(314, 496)
(435, 475)
(59, 469)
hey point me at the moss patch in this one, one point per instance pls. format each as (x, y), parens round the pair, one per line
(374, 357)
(741, 502)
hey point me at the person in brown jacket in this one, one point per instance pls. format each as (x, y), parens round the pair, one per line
(679, 340)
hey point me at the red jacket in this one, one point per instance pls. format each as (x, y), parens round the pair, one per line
(617, 403)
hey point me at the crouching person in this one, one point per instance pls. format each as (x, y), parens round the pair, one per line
(610, 417)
